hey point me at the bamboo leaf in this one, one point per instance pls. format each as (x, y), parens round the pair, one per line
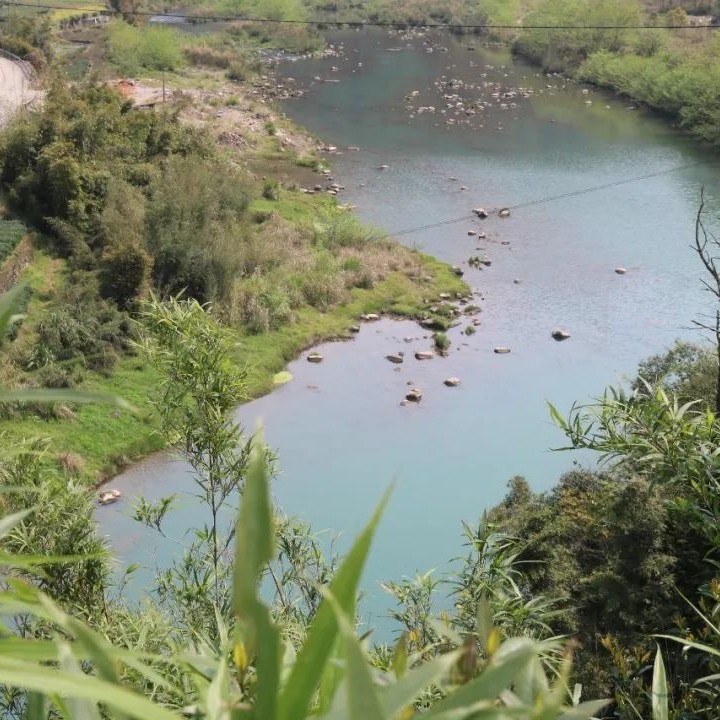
(690, 643)
(29, 676)
(659, 689)
(35, 707)
(217, 694)
(8, 522)
(484, 624)
(584, 711)
(402, 693)
(400, 657)
(79, 708)
(313, 656)
(362, 699)
(510, 659)
(8, 303)
(20, 648)
(332, 677)
(255, 547)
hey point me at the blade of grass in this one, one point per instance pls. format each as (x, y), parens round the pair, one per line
(659, 689)
(29, 676)
(312, 657)
(254, 549)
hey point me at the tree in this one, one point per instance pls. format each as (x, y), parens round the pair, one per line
(707, 247)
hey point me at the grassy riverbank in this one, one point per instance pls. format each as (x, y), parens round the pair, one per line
(95, 441)
(213, 193)
(674, 71)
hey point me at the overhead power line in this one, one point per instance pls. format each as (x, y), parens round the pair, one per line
(397, 25)
(551, 198)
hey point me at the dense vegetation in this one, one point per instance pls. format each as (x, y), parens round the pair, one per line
(676, 72)
(125, 200)
(131, 208)
(608, 559)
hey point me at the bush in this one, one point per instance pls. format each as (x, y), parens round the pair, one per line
(80, 326)
(238, 71)
(261, 305)
(152, 47)
(271, 190)
(442, 341)
(197, 226)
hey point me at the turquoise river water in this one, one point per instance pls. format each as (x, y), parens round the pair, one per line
(341, 436)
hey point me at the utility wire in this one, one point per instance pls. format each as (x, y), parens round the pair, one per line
(360, 23)
(552, 198)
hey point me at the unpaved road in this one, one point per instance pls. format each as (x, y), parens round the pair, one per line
(15, 90)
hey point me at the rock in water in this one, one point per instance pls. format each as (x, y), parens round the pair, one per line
(501, 350)
(315, 357)
(452, 382)
(424, 355)
(482, 213)
(396, 358)
(414, 395)
(620, 270)
(458, 271)
(560, 335)
(504, 213)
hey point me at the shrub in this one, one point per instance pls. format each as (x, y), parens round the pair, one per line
(442, 341)
(79, 325)
(271, 190)
(261, 305)
(238, 71)
(196, 227)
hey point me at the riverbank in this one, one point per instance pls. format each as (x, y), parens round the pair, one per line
(295, 193)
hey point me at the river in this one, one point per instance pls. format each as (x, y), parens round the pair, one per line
(340, 433)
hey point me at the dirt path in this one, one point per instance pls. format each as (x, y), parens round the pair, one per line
(15, 90)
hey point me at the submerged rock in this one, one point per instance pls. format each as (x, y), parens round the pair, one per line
(396, 358)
